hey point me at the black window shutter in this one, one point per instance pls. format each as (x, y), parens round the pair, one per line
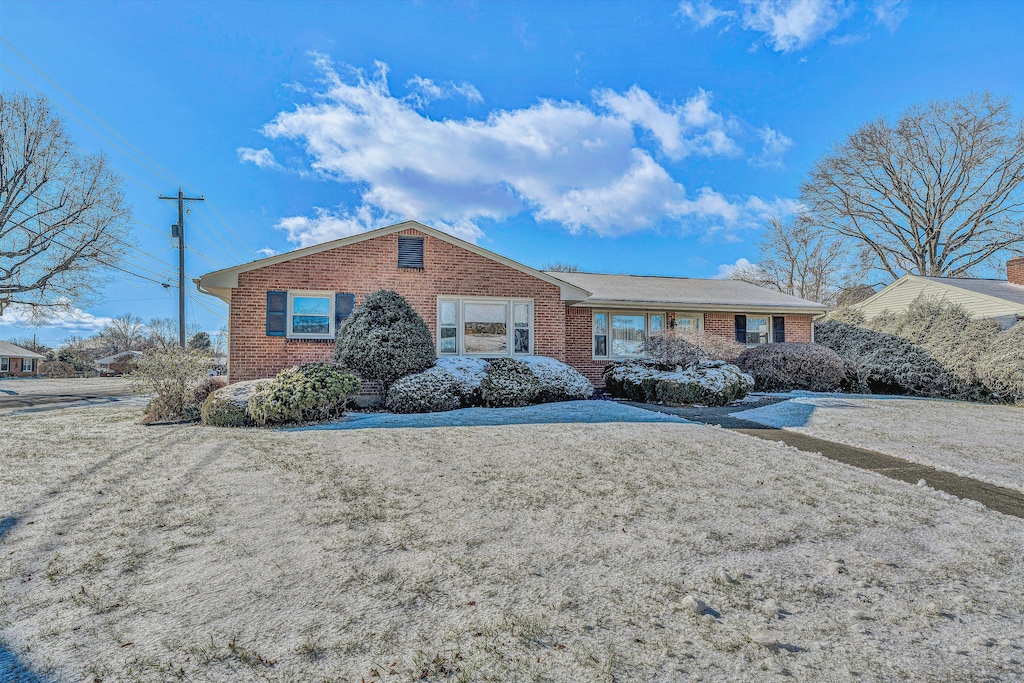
(410, 252)
(778, 329)
(741, 329)
(277, 313)
(343, 304)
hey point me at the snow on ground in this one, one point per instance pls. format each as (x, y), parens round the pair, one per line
(972, 439)
(22, 386)
(546, 413)
(569, 552)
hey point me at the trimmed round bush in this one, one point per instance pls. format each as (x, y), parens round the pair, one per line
(384, 339)
(468, 373)
(710, 383)
(311, 392)
(510, 383)
(229, 406)
(434, 390)
(673, 348)
(784, 367)
(558, 381)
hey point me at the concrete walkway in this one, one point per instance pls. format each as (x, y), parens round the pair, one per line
(1001, 499)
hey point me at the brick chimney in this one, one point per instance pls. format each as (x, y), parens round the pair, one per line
(1015, 271)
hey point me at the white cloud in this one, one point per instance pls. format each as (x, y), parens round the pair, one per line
(703, 14)
(727, 270)
(263, 158)
(559, 161)
(424, 91)
(773, 145)
(891, 13)
(266, 252)
(792, 24)
(70, 320)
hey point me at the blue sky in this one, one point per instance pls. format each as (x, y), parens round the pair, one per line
(621, 137)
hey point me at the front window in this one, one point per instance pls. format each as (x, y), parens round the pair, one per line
(5, 364)
(757, 330)
(628, 335)
(600, 335)
(311, 315)
(28, 364)
(687, 322)
(484, 327)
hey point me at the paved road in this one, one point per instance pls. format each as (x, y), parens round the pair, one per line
(31, 400)
(1007, 501)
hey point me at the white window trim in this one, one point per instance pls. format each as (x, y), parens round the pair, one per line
(460, 327)
(289, 313)
(676, 315)
(28, 360)
(771, 327)
(5, 364)
(608, 342)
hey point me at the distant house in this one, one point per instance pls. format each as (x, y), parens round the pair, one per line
(103, 364)
(285, 309)
(18, 362)
(1002, 300)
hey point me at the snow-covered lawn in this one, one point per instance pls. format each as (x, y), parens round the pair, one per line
(79, 385)
(520, 552)
(972, 439)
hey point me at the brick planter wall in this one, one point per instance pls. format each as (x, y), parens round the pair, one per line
(365, 267)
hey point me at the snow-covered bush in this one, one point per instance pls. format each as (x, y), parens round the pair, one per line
(229, 406)
(383, 339)
(712, 347)
(713, 383)
(468, 373)
(315, 391)
(1001, 369)
(673, 348)
(198, 393)
(510, 383)
(169, 376)
(434, 390)
(784, 367)
(558, 381)
(56, 368)
(886, 364)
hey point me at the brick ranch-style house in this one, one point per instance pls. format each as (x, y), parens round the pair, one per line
(18, 362)
(284, 310)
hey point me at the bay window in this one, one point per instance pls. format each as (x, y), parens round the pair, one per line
(484, 326)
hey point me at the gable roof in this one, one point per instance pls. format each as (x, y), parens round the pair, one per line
(12, 351)
(622, 291)
(983, 298)
(219, 282)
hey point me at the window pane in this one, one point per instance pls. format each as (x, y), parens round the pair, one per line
(600, 323)
(449, 311)
(627, 335)
(486, 329)
(448, 343)
(311, 305)
(757, 330)
(522, 340)
(600, 345)
(657, 323)
(522, 314)
(686, 323)
(311, 324)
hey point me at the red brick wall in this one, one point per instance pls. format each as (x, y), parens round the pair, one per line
(1015, 271)
(798, 327)
(366, 267)
(15, 369)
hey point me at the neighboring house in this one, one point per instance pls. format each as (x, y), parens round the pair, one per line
(103, 364)
(1002, 300)
(18, 362)
(285, 309)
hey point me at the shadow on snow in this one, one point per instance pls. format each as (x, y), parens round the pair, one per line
(12, 669)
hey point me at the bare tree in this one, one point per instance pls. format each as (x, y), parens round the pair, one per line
(798, 258)
(62, 213)
(559, 267)
(937, 194)
(163, 333)
(123, 333)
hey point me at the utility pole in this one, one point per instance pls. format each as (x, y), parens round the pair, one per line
(179, 232)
